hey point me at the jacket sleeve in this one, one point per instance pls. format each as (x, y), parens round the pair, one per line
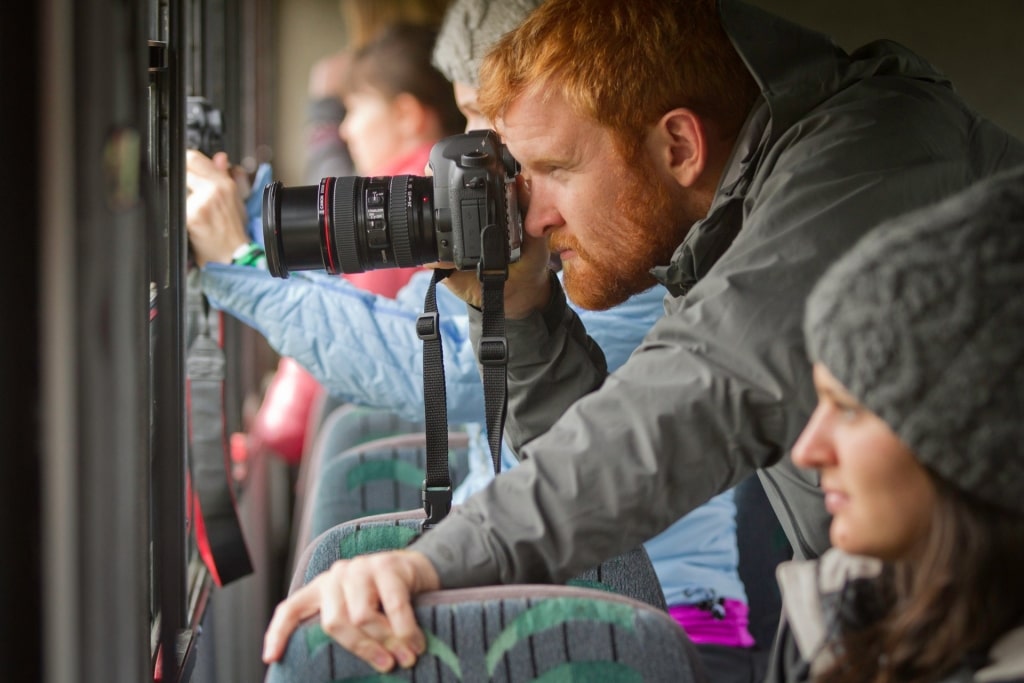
(362, 347)
(721, 385)
(553, 361)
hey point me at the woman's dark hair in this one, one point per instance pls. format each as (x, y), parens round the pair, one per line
(398, 61)
(947, 605)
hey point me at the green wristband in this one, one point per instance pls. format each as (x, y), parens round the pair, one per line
(252, 256)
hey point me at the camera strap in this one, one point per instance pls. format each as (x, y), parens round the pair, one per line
(493, 356)
(218, 531)
(437, 487)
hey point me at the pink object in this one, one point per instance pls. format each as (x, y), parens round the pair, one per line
(703, 627)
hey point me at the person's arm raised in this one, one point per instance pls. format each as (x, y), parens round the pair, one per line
(215, 215)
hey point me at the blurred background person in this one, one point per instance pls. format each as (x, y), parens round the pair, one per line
(401, 105)
(326, 153)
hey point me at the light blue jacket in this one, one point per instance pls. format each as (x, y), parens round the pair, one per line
(364, 349)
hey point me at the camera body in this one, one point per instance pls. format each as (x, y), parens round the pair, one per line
(204, 126)
(466, 213)
(474, 187)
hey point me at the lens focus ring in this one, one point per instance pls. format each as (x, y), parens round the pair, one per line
(343, 212)
(398, 218)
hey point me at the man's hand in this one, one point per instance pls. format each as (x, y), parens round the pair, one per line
(350, 598)
(528, 288)
(215, 215)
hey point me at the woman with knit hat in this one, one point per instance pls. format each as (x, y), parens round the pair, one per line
(919, 367)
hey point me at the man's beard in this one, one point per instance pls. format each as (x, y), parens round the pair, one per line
(647, 226)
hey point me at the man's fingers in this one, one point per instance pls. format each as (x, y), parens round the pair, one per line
(345, 617)
(221, 161)
(299, 606)
(365, 605)
(396, 601)
(355, 618)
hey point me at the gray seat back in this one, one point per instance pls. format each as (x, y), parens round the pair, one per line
(630, 574)
(378, 477)
(515, 634)
(346, 426)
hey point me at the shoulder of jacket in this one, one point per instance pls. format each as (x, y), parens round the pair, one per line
(1006, 660)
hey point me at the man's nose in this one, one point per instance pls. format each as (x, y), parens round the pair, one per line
(541, 216)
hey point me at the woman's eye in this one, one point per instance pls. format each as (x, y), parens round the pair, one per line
(848, 411)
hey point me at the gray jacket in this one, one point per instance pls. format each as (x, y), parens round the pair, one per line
(813, 593)
(721, 385)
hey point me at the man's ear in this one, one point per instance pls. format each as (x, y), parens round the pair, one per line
(679, 142)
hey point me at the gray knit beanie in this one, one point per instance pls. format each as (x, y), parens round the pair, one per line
(923, 322)
(469, 30)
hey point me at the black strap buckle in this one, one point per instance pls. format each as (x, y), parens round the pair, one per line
(427, 326)
(493, 351)
(437, 503)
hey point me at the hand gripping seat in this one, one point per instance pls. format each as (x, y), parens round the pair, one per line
(630, 574)
(514, 634)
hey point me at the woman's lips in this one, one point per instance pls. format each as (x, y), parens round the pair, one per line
(835, 501)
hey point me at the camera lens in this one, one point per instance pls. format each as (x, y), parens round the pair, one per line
(349, 224)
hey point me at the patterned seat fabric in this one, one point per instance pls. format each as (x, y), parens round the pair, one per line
(380, 476)
(516, 634)
(630, 574)
(344, 427)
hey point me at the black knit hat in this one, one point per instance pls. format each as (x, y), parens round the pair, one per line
(923, 322)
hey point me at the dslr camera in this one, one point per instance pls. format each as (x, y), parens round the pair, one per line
(467, 213)
(204, 126)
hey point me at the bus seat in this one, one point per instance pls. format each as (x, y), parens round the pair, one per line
(350, 425)
(384, 475)
(389, 531)
(323, 406)
(630, 574)
(512, 634)
(346, 426)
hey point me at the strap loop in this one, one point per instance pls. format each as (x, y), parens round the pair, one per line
(493, 351)
(428, 327)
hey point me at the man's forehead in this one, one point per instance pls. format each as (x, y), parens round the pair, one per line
(531, 117)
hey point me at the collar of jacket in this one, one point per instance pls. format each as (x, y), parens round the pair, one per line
(809, 589)
(1006, 659)
(796, 69)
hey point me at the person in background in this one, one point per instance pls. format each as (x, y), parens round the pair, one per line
(399, 107)
(918, 441)
(326, 153)
(729, 155)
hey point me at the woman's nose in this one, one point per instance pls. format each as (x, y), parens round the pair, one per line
(814, 448)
